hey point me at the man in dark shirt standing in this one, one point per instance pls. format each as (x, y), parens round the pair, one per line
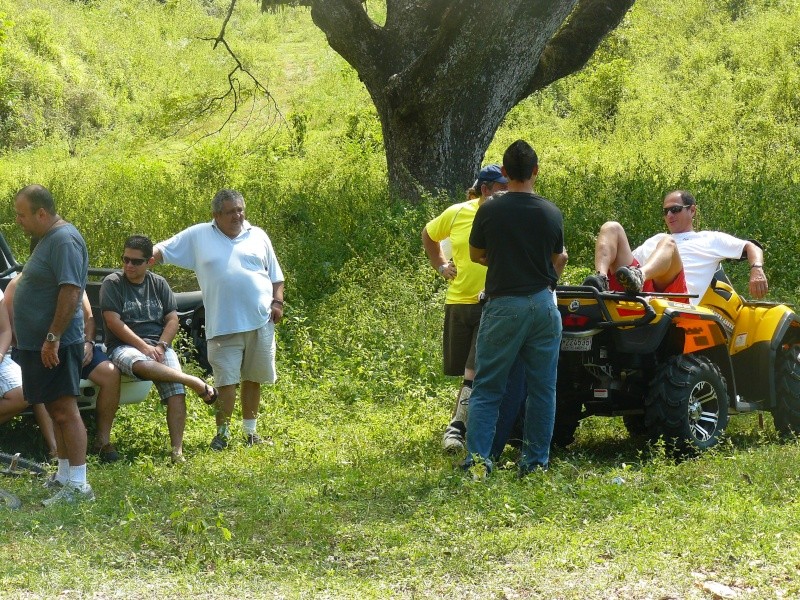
(519, 236)
(49, 329)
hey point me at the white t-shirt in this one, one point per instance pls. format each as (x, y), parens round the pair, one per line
(701, 252)
(235, 275)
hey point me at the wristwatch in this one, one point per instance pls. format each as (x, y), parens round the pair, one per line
(52, 337)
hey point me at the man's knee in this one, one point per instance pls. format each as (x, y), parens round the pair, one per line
(177, 401)
(612, 228)
(105, 374)
(667, 243)
(63, 410)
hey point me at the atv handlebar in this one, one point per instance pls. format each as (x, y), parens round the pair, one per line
(585, 291)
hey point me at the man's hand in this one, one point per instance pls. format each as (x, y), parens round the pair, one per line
(276, 313)
(50, 354)
(758, 282)
(154, 352)
(448, 271)
(88, 353)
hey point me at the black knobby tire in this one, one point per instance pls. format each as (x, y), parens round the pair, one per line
(687, 404)
(21, 465)
(786, 413)
(9, 500)
(568, 416)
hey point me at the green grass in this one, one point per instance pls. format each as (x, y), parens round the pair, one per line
(357, 500)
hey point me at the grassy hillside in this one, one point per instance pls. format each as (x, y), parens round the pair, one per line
(103, 101)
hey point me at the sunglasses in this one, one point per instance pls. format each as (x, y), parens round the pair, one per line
(675, 209)
(136, 262)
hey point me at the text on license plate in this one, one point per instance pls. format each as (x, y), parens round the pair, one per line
(581, 344)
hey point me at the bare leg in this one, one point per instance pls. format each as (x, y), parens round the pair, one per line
(69, 430)
(176, 421)
(664, 264)
(225, 403)
(11, 404)
(469, 375)
(156, 371)
(106, 376)
(45, 424)
(251, 398)
(612, 249)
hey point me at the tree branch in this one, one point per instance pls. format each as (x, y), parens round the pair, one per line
(573, 46)
(234, 90)
(354, 36)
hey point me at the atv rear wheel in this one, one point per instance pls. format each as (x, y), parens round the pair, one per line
(687, 404)
(568, 415)
(786, 413)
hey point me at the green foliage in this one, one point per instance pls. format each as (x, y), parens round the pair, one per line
(108, 103)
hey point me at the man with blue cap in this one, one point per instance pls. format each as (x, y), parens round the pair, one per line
(466, 279)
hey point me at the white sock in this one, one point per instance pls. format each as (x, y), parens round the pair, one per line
(77, 475)
(62, 475)
(249, 426)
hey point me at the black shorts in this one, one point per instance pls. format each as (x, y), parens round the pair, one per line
(460, 332)
(98, 356)
(42, 385)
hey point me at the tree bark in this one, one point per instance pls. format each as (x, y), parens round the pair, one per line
(444, 73)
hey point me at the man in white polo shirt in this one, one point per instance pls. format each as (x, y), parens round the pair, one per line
(242, 285)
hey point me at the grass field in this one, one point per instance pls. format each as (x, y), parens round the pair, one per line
(356, 500)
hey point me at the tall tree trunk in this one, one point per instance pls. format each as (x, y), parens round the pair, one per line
(444, 73)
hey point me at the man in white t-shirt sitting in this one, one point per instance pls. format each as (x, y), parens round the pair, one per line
(684, 260)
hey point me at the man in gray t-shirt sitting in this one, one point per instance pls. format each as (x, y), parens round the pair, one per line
(140, 313)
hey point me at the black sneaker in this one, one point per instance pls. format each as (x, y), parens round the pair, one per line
(107, 453)
(598, 281)
(525, 470)
(218, 443)
(253, 439)
(453, 439)
(631, 279)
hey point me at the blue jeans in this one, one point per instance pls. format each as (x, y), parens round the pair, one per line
(528, 327)
(512, 407)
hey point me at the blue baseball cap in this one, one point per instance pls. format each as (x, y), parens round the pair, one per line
(492, 173)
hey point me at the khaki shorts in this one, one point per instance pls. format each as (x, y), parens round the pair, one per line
(245, 356)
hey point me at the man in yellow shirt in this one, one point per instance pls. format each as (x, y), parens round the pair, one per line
(462, 306)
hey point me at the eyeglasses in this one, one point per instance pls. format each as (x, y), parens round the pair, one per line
(675, 209)
(136, 262)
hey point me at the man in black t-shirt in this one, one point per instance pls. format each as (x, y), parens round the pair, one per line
(141, 317)
(519, 236)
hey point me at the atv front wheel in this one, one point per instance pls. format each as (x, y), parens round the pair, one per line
(687, 404)
(786, 413)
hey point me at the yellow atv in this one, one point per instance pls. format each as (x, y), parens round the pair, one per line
(672, 370)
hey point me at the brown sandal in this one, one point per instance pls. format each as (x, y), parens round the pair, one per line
(210, 396)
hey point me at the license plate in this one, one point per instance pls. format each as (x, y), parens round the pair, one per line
(571, 344)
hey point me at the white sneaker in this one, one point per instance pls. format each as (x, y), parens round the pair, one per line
(71, 494)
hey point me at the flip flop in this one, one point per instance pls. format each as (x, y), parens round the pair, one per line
(210, 396)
